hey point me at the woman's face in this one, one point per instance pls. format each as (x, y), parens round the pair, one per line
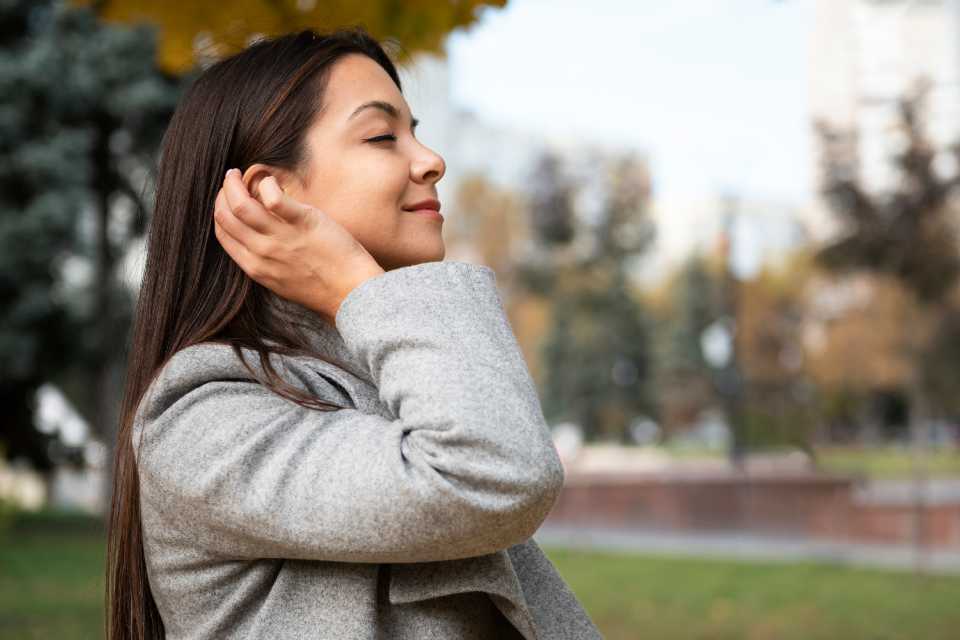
(365, 184)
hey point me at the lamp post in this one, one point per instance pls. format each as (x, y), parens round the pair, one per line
(718, 342)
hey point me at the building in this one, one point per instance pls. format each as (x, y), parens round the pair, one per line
(867, 54)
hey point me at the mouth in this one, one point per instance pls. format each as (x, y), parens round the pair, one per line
(429, 208)
(427, 213)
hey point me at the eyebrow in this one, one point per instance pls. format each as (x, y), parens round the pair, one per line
(386, 107)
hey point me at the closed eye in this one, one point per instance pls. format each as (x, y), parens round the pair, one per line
(385, 138)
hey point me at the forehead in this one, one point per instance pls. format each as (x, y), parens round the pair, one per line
(355, 79)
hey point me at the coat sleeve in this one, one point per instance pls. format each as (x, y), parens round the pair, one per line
(467, 468)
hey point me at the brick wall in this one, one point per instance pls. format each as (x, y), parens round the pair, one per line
(800, 504)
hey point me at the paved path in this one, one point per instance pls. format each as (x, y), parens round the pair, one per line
(751, 547)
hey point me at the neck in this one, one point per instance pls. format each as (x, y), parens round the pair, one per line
(323, 337)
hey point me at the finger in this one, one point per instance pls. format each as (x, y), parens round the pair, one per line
(220, 202)
(234, 248)
(253, 241)
(257, 192)
(277, 201)
(244, 206)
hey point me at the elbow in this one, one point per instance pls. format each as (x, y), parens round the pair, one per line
(491, 502)
(533, 496)
(544, 487)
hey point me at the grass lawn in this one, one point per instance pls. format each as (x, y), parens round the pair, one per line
(888, 462)
(51, 578)
(674, 598)
(51, 587)
(880, 462)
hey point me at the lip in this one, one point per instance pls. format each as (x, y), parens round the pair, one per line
(430, 213)
(429, 203)
(429, 207)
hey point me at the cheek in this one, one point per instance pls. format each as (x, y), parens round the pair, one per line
(369, 189)
(362, 191)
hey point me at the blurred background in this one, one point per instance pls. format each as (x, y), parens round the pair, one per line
(725, 233)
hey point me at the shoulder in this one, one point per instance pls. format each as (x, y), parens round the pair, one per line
(215, 372)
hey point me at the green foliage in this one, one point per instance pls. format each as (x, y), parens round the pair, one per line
(695, 306)
(8, 512)
(596, 355)
(597, 361)
(551, 203)
(684, 381)
(82, 111)
(939, 366)
(908, 232)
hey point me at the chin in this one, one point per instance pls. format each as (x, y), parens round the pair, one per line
(435, 254)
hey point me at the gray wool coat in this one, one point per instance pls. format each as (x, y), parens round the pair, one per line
(406, 514)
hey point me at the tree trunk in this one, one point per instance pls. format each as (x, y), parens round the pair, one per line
(110, 344)
(919, 423)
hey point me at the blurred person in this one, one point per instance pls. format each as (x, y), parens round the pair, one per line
(327, 431)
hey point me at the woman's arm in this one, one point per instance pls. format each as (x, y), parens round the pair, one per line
(467, 467)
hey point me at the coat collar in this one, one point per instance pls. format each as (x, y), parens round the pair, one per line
(323, 338)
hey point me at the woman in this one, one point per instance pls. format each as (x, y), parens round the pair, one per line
(327, 431)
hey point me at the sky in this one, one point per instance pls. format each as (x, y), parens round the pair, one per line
(713, 91)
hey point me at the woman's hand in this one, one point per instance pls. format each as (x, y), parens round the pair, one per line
(293, 249)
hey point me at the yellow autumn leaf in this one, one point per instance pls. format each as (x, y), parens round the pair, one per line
(217, 28)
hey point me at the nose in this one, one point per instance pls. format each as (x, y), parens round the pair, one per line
(428, 166)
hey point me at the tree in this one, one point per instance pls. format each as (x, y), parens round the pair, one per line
(85, 103)
(82, 112)
(779, 403)
(489, 225)
(684, 384)
(865, 328)
(908, 232)
(222, 28)
(596, 359)
(551, 203)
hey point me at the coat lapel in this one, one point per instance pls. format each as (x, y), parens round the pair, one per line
(492, 573)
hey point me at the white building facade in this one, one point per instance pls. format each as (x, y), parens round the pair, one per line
(866, 55)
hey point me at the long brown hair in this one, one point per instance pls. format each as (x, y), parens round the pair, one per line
(254, 106)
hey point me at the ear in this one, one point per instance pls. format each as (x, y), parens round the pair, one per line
(258, 171)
